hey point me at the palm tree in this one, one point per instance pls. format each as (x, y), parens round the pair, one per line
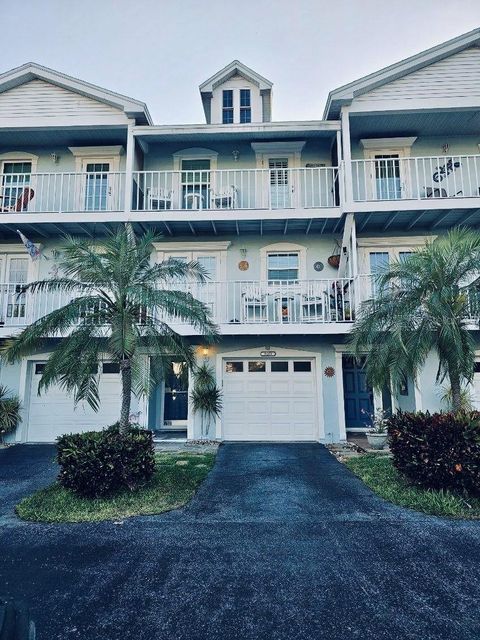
(422, 305)
(119, 307)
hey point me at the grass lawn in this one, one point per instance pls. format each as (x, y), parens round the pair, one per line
(380, 475)
(176, 478)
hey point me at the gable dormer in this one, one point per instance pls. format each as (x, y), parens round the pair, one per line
(236, 95)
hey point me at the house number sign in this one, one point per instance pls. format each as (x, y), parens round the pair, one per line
(268, 354)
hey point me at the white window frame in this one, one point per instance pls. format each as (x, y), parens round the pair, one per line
(193, 153)
(283, 247)
(18, 156)
(384, 147)
(94, 155)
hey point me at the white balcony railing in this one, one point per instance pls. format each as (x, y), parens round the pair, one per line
(62, 192)
(236, 189)
(232, 303)
(422, 178)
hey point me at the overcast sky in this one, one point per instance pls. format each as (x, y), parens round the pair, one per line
(159, 51)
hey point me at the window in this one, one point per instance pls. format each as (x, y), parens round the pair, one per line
(195, 183)
(387, 176)
(282, 266)
(257, 366)
(245, 106)
(302, 366)
(97, 188)
(15, 177)
(111, 367)
(227, 106)
(279, 367)
(234, 367)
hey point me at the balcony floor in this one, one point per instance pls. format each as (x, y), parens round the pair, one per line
(415, 220)
(258, 222)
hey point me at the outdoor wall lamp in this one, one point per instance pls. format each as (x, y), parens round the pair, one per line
(236, 154)
(55, 158)
(205, 352)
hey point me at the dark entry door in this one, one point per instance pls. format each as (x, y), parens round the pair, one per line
(176, 395)
(358, 396)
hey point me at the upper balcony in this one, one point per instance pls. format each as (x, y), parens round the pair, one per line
(276, 188)
(263, 307)
(62, 192)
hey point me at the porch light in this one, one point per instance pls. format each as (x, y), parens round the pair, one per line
(205, 352)
(236, 154)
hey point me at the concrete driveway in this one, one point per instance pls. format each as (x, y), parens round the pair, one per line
(281, 542)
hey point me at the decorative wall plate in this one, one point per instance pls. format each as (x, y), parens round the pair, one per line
(318, 266)
(243, 265)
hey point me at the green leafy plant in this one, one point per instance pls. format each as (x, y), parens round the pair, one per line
(422, 305)
(378, 421)
(99, 463)
(438, 451)
(466, 401)
(119, 306)
(10, 408)
(206, 397)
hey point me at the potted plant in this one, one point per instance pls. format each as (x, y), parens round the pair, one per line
(377, 435)
(206, 397)
(10, 408)
(334, 259)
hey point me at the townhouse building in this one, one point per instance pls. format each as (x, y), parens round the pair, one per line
(290, 220)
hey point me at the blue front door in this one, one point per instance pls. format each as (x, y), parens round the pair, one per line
(175, 410)
(358, 396)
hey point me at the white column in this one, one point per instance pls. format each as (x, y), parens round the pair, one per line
(347, 155)
(340, 401)
(129, 168)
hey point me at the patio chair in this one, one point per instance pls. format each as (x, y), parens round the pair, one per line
(439, 193)
(254, 305)
(224, 199)
(159, 199)
(22, 201)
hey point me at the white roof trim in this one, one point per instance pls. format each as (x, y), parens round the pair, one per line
(31, 71)
(231, 69)
(387, 143)
(96, 152)
(346, 93)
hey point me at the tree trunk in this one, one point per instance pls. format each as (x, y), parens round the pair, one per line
(456, 391)
(126, 371)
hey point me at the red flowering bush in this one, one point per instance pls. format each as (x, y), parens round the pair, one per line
(439, 450)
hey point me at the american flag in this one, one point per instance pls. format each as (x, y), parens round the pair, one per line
(32, 250)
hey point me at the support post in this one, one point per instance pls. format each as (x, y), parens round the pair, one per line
(347, 155)
(129, 168)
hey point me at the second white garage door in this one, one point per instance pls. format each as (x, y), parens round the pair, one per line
(53, 413)
(273, 400)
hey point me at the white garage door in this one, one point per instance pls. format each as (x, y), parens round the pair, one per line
(475, 391)
(53, 413)
(269, 400)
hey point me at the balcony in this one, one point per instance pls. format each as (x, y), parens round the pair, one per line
(62, 192)
(237, 307)
(234, 189)
(433, 180)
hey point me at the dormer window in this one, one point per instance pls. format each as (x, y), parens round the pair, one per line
(245, 106)
(227, 112)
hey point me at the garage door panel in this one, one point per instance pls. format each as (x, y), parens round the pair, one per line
(256, 386)
(273, 405)
(280, 388)
(54, 413)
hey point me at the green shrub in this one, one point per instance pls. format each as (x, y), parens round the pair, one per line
(99, 463)
(439, 450)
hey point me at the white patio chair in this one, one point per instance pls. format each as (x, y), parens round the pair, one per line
(225, 198)
(159, 199)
